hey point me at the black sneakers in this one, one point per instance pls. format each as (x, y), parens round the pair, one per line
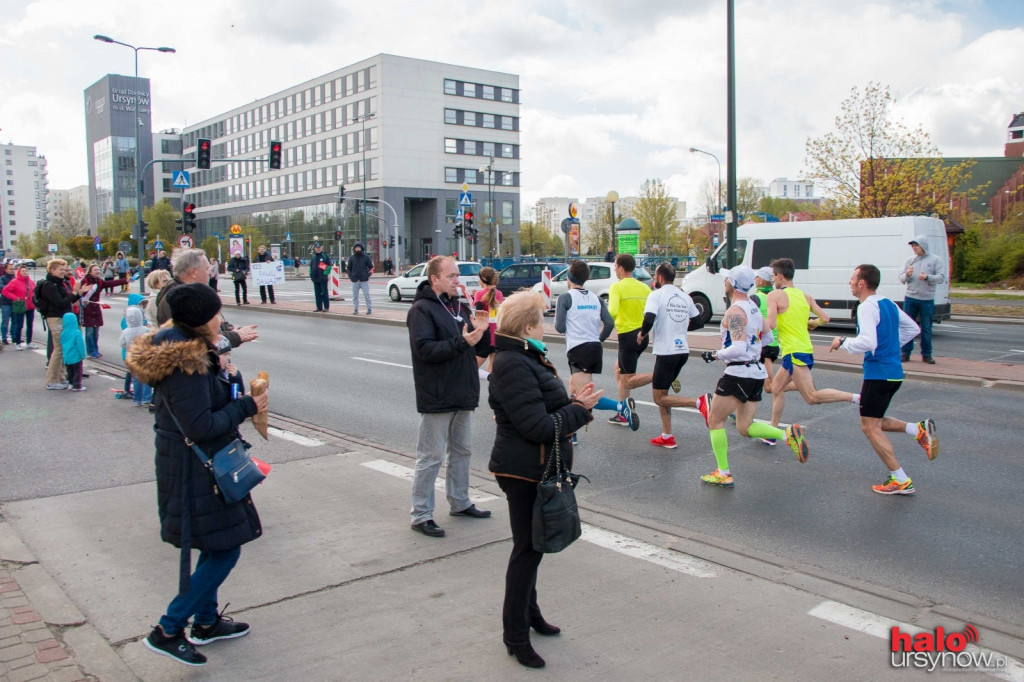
(176, 647)
(224, 628)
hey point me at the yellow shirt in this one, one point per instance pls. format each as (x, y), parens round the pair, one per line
(791, 325)
(626, 299)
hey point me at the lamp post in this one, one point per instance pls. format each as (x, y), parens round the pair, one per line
(718, 199)
(138, 151)
(363, 212)
(490, 205)
(612, 197)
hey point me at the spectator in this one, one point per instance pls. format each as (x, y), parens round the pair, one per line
(922, 272)
(214, 274)
(155, 281)
(135, 327)
(161, 262)
(263, 257)
(72, 351)
(360, 267)
(19, 292)
(92, 311)
(5, 304)
(238, 266)
(319, 271)
(122, 267)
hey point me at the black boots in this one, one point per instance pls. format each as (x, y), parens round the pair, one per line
(525, 654)
(543, 627)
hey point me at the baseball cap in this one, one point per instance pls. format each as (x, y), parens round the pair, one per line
(741, 277)
(765, 273)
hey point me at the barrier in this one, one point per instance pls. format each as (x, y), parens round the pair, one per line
(545, 282)
(335, 284)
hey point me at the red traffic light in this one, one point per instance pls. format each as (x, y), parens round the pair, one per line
(189, 208)
(275, 147)
(469, 215)
(204, 144)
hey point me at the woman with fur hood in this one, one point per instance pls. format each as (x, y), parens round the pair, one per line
(180, 362)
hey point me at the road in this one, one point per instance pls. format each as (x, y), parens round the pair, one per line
(956, 542)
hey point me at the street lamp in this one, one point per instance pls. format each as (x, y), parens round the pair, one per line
(138, 151)
(718, 199)
(612, 197)
(363, 213)
(490, 204)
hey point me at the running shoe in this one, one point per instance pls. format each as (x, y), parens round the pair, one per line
(661, 442)
(704, 406)
(719, 479)
(619, 420)
(732, 417)
(769, 441)
(677, 386)
(629, 414)
(795, 440)
(893, 487)
(928, 438)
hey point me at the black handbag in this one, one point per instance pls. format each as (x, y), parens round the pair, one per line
(234, 473)
(556, 518)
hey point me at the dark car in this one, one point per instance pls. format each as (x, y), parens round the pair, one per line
(524, 275)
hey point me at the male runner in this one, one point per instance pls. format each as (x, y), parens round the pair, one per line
(789, 313)
(763, 279)
(626, 299)
(670, 313)
(581, 315)
(739, 389)
(882, 328)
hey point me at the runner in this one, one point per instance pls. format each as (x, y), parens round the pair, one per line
(739, 389)
(581, 315)
(626, 299)
(882, 328)
(789, 313)
(670, 313)
(769, 351)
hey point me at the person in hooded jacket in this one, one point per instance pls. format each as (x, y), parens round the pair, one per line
(922, 272)
(6, 310)
(181, 363)
(19, 292)
(133, 325)
(58, 299)
(319, 271)
(529, 403)
(72, 351)
(360, 267)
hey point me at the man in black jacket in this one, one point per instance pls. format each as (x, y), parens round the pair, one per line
(56, 301)
(444, 368)
(238, 266)
(319, 271)
(360, 267)
(161, 262)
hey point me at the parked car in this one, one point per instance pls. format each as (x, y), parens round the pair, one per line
(602, 276)
(404, 286)
(27, 262)
(524, 275)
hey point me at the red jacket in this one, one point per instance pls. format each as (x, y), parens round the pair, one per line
(20, 288)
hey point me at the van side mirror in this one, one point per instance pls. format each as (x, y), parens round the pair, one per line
(712, 265)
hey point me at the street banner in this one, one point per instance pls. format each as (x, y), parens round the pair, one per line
(267, 274)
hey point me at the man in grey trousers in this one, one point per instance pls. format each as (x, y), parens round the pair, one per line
(444, 366)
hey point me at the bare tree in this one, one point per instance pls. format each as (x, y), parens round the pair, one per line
(71, 219)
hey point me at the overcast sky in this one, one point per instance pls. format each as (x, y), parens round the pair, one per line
(613, 92)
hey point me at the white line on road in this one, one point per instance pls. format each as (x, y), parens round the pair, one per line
(381, 362)
(294, 437)
(782, 425)
(881, 627)
(666, 558)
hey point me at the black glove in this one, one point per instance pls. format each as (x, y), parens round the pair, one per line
(708, 356)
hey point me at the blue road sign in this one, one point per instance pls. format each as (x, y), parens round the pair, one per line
(460, 215)
(96, 240)
(99, 247)
(465, 199)
(718, 217)
(180, 179)
(287, 236)
(714, 240)
(158, 245)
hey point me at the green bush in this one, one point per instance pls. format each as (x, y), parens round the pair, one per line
(988, 259)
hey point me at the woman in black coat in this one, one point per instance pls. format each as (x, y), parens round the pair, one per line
(528, 399)
(181, 364)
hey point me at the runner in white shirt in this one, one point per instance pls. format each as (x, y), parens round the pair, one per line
(670, 313)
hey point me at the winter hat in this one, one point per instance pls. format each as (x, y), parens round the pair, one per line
(765, 273)
(741, 277)
(193, 304)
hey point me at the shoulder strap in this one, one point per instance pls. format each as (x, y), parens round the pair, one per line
(195, 448)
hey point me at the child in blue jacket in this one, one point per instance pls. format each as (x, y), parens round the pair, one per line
(73, 346)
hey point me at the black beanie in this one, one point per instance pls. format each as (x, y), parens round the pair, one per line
(193, 304)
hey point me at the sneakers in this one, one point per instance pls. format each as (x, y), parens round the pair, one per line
(892, 487)
(21, 346)
(223, 628)
(719, 479)
(78, 388)
(60, 386)
(769, 441)
(928, 438)
(663, 442)
(619, 420)
(677, 386)
(704, 405)
(629, 414)
(796, 441)
(176, 647)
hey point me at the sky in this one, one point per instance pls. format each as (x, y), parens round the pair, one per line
(613, 93)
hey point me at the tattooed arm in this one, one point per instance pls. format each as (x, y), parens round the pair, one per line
(736, 322)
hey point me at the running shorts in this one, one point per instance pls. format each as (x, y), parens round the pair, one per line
(666, 370)
(875, 396)
(586, 358)
(790, 359)
(630, 350)
(743, 389)
(770, 353)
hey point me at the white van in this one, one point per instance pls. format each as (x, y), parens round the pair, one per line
(825, 253)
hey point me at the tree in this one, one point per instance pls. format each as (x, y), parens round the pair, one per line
(598, 235)
(706, 197)
(749, 193)
(81, 247)
(70, 219)
(656, 213)
(31, 245)
(873, 166)
(533, 238)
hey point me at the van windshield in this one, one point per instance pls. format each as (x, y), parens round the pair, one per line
(719, 255)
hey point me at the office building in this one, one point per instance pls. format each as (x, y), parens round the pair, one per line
(549, 212)
(25, 194)
(801, 191)
(167, 146)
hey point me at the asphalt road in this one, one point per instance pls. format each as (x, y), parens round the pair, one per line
(957, 541)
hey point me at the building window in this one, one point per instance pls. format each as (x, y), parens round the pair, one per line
(469, 89)
(809, 191)
(449, 86)
(451, 146)
(506, 95)
(471, 176)
(506, 151)
(488, 91)
(796, 190)
(506, 123)
(785, 190)
(488, 121)
(488, 148)
(469, 118)
(449, 116)
(451, 174)
(507, 178)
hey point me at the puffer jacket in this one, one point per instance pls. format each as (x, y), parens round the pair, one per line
(183, 371)
(526, 394)
(20, 289)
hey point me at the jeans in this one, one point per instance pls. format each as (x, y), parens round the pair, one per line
(323, 300)
(17, 323)
(365, 288)
(920, 311)
(5, 321)
(443, 432)
(245, 291)
(143, 392)
(521, 576)
(200, 601)
(214, 283)
(92, 340)
(74, 374)
(55, 368)
(264, 290)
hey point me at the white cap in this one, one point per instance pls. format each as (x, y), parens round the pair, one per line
(741, 277)
(765, 273)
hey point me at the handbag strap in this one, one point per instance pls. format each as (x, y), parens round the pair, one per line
(207, 462)
(556, 452)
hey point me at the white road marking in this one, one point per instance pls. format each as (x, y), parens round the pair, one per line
(666, 558)
(1015, 351)
(399, 471)
(881, 627)
(381, 362)
(294, 437)
(782, 425)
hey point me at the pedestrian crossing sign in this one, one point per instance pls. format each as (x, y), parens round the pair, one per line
(460, 215)
(465, 199)
(179, 178)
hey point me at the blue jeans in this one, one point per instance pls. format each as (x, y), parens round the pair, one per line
(143, 392)
(921, 312)
(92, 340)
(365, 288)
(5, 322)
(200, 601)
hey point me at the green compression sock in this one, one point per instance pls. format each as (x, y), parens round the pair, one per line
(760, 430)
(607, 404)
(720, 444)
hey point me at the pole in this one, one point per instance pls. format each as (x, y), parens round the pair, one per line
(138, 178)
(730, 166)
(613, 231)
(490, 208)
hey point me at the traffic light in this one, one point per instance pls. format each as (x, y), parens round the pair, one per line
(203, 150)
(145, 230)
(341, 194)
(337, 235)
(384, 244)
(458, 229)
(275, 155)
(468, 224)
(188, 218)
